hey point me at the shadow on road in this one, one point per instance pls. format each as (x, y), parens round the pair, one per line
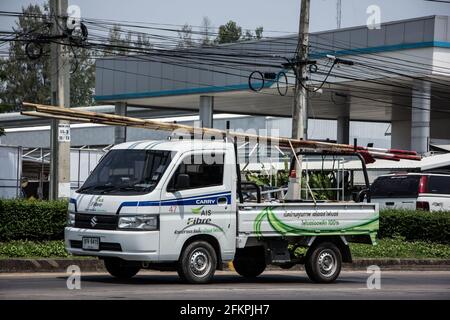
(169, 279)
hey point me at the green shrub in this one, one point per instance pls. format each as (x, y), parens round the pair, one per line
(27, 249)
(399, 248)
(415, 225)
(32, 220)
(45, 220)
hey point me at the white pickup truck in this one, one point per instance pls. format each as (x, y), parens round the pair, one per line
(178, 205)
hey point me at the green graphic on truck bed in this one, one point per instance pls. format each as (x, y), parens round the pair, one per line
(365, 227)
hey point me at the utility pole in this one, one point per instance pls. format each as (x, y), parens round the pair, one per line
(338, 13)
(300, 110)
(60, 96)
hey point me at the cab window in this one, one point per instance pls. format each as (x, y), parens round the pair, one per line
(395, 186)
(439, 184)
(199, 172)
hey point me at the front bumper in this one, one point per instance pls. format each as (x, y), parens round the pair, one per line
(128, 245)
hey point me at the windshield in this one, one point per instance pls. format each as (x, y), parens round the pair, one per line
(130, 172)
(395, 187)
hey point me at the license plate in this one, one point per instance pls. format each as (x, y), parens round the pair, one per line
(91, 243)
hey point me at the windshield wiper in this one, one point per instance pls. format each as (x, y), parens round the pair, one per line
(111, 188)
(132, 188)
(92, 188)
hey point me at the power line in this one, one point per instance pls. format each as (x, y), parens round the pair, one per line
(197, 56)
(441, 1)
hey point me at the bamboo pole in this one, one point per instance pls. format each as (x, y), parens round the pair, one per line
(111, 119)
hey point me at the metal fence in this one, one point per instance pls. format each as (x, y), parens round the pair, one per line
(10, 171)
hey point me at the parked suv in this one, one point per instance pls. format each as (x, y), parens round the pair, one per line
(422, 191)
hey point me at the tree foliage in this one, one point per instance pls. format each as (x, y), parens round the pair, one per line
(231, 32)
(259, 32)
(120, 41)
(82, 78)
(24, 79)
(227, 33)
(206, 31)
(185, 37)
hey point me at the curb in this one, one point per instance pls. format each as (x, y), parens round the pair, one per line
(90, 265)
(48, 265)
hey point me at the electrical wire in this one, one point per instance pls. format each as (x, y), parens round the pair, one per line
(213, 61)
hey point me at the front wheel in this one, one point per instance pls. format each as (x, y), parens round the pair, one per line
(197, 263)
(323, 262)
(121, 269)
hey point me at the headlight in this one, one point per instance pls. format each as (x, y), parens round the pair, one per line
(144, 222)
(70, 219)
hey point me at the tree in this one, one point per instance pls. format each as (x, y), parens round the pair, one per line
(230, 32)
(259, 32)
(206, 30)
(143, 41)
(24, 79)
(121, 42)
(250, 36)
(185, 37)
(116, 43)
(82, 78)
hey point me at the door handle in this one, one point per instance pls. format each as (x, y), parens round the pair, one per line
(222, 201)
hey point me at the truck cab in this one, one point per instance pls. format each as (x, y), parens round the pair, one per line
(147, 200)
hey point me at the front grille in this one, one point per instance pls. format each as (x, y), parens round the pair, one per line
(108, 246)
(93, 221)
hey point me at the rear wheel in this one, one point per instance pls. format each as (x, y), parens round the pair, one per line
(250, 262)
(197, 263)
(121, 269)
(323, 262)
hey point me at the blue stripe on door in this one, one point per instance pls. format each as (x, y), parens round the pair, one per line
(210, 199)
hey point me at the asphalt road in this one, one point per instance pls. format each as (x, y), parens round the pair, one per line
(228, 285)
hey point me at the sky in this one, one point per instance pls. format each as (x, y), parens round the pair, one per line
(274, 15)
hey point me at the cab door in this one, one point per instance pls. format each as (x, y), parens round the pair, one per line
(197, 200)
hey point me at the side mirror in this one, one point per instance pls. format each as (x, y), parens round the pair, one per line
(363, 194)
(183, 182)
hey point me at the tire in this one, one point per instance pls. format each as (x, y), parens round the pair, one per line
(323, 262)
(121, 269)
(198, 263)
(250, 262)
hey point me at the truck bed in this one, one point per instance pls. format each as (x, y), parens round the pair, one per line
(307, 219)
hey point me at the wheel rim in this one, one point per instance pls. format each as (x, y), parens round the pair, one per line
(327, 263)
(200, 262)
